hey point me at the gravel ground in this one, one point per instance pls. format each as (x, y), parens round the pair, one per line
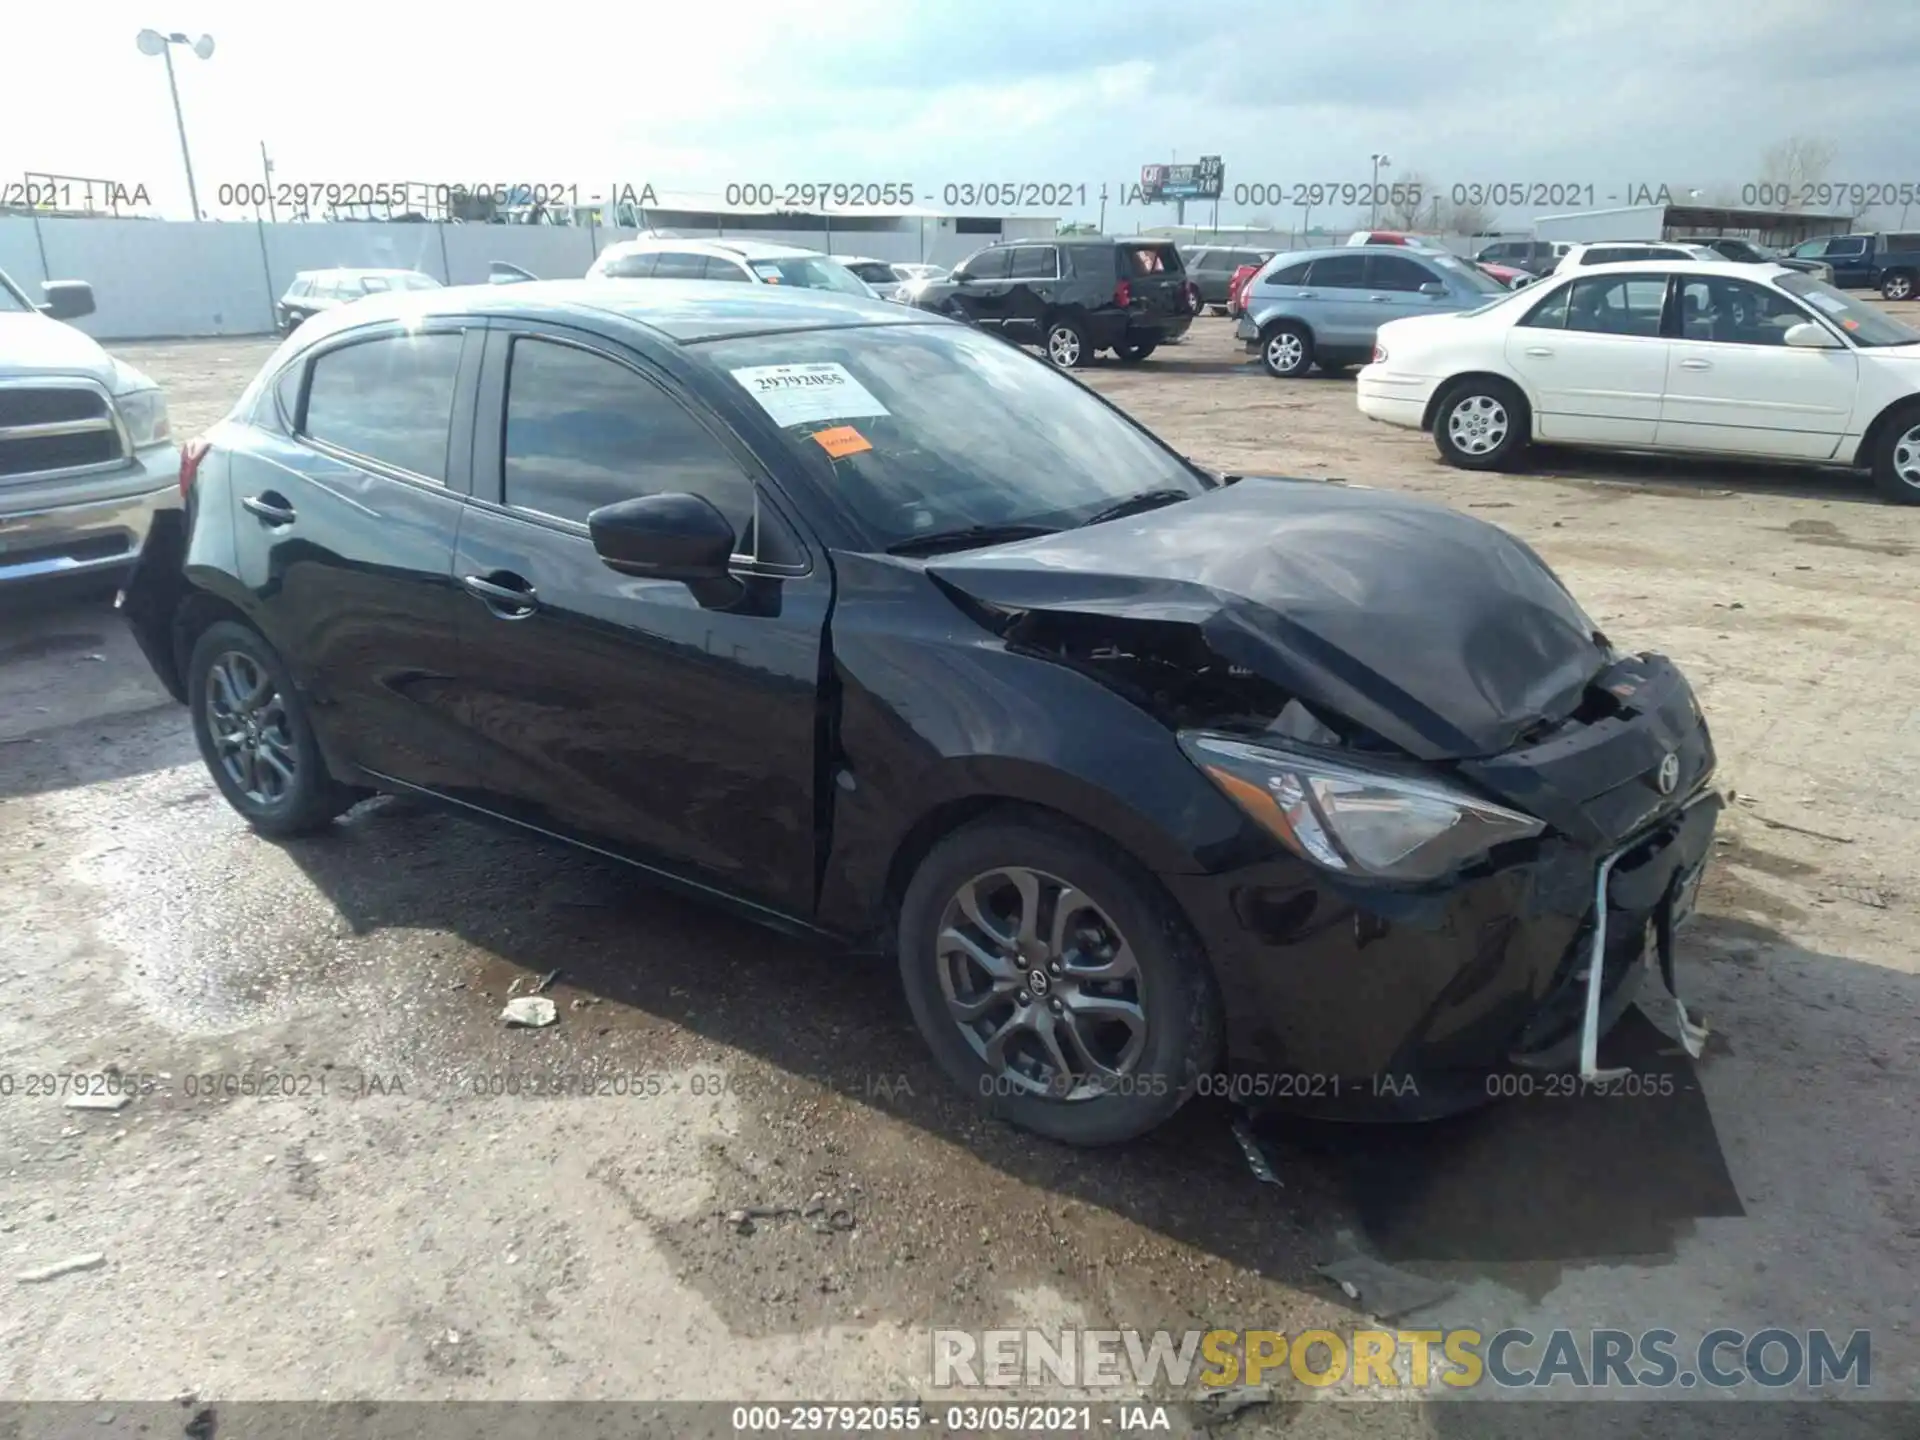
(393, 1230)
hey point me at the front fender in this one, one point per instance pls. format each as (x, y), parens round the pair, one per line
(936, 718)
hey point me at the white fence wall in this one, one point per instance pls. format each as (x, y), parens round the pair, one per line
(160, 278)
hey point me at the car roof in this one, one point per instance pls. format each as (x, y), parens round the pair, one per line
(683, 311)
(356, 270)
(736, 249)
(1732, 269)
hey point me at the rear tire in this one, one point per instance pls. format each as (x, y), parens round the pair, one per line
(1152, 1018)
(1066, 342)
(1896, 459)
(1286, 349)
(1134, 354)
(1897, 285)
(252, 728)
(1481, 424)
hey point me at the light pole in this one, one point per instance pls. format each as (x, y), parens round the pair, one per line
(1373, 190)
(152, 42)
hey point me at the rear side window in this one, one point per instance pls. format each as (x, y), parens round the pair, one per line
(584, 431)
(1847, 245)
(678, 265)
(1338, 272)
(1901, 240)
(1617, 304)
(373, 283)
(389, 400)
(720, 268)
(630, 267)
(1292, 275)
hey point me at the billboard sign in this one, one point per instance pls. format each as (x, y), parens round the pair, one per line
(1201, 181)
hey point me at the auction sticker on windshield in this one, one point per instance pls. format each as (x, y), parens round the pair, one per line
(801, 394)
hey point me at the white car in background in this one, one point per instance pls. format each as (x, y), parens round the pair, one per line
(1621, 252)
(757, 262)
(888, 278)
(1683, 356)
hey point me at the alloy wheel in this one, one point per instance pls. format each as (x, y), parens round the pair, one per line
(1906, 457)
(1042, 984)
(252, 735)
(1477, 425)
(1063, 346)
(1899, 287)
(1285, 351)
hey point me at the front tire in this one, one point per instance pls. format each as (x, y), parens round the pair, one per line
(252, 728)
(1055, 982)
(1066, 342)
(1480, 424)
(1896, 459)
(1897, 286)
(1286, 349)
(1134, 354)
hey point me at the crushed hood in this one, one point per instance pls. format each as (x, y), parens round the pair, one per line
(1442, 634)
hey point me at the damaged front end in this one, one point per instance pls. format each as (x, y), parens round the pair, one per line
(1489, 823)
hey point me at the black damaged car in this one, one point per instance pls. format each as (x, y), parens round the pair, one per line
(878, 628)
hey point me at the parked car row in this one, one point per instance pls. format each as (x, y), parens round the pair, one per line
(313, 291)
(1707, 357)
(881, 631)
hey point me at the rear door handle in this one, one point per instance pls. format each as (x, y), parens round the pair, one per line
(1696, 364)
(508, 597)
(1540, 352)
(270, 507)
(1381, 299)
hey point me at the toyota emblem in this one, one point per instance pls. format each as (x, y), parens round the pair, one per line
(1669, 775)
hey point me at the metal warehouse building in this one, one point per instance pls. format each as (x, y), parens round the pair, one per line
(1779, 228)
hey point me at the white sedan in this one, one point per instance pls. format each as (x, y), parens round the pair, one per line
(1709, 359)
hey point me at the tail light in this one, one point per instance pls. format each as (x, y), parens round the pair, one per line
(191, 454)
(1192, 293)
(1379, 353)
(1123, 294)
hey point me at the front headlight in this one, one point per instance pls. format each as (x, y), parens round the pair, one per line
(144, 413)
(1355, 821)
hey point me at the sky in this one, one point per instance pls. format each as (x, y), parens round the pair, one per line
(694, 97)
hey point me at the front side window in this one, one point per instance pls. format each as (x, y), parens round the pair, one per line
(389, 399)
(1034, 262)
(943, 428)
(1732, 312)
(1848, 245)
(1338, 272)
(584, 430)
(678, 265)
(638, 266)
(721, 268)
(984, 265)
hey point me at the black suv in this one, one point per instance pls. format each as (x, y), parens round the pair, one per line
(1072, 295)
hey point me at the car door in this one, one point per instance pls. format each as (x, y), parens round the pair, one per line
(344, 534)
(619, 709)
(1593, 358)
(981, 286)
(1033, 271)
(1337, 304)
(1393, 288)
(1851, 257)
(1735, 385)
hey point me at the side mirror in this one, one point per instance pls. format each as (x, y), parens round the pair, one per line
(1433, 287)
(664, 537)
(67, 299)
(1809, 336)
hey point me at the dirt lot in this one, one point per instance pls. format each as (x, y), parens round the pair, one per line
(389, 1231)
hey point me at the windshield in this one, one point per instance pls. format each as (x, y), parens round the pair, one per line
(1471, 277)
(1864, 324)
(809, 272)
(11, 300)
(944, 427)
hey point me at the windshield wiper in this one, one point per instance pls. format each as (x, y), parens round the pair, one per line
(966, 537)
(1134, 504)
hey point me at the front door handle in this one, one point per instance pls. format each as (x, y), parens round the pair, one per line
(506, 595)
(1540, 352)
(1381, 299)
(1696, 364)
(270, 507)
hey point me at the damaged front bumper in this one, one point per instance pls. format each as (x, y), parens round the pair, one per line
(1344, 997)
